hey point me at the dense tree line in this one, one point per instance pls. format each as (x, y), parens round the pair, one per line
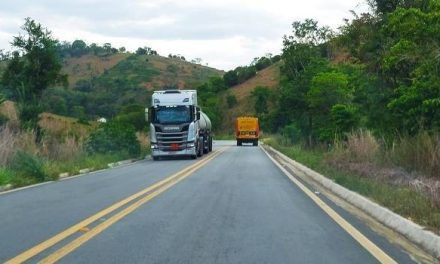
(381, 72)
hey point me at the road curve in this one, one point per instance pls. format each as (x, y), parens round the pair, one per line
(237, 207)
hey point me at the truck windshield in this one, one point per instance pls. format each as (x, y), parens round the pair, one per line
(173, 114)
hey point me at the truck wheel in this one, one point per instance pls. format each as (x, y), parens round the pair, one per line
(206, 146)
(210, 144)
(193, 156)
(239, 143)
(256, 143)
(155, 158)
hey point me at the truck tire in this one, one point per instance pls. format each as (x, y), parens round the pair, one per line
(193, 156)
(255, 143)
(210, 144)
(239, 143)
(155, 158)
(206, 146)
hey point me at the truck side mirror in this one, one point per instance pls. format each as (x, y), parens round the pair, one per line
(146, 114)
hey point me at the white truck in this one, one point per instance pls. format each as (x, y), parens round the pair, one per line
(177, 125)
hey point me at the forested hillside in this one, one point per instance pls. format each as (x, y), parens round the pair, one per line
(379, 71)
(102, 80)
(360, 105)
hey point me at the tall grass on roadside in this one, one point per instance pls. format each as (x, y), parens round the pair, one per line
(8, 140)
(419, 153)
(359, 146)
(61, 149)
(412, 162)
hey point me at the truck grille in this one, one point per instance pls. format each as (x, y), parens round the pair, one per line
(174, 141)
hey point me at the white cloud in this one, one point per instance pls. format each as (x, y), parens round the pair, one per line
(224, 33)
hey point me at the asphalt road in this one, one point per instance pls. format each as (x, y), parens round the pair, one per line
(237, 207)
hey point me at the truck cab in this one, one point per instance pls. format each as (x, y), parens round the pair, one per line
(177, 126)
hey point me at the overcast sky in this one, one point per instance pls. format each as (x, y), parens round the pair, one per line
(224, 33)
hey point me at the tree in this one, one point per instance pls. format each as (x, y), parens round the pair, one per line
(217, 84)
(78, 48)
(34, 67)
(384, 7)
(327, 89)
(304, 55)
(230, 78)
(261, 95)
(262, 63)
(141, 51)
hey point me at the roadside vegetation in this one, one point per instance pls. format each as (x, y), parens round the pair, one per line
(37, 146)
(360, 104)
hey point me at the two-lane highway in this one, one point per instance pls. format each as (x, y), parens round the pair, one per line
(233, 206)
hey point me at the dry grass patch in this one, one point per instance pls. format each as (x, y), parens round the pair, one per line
(8, 141)
(9, 110)
(65, 126)
(89, 65)
(268, 77)
(411, 162)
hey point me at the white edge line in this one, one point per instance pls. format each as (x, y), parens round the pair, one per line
(427, 240)
(26, 187)
(373, 249)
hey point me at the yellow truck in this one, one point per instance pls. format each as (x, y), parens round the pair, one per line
(247, 130)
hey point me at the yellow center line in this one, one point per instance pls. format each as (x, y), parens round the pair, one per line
(374, 250)
(22, 257)
(62, 252)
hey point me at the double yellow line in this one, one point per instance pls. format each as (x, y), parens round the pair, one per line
(141, 198)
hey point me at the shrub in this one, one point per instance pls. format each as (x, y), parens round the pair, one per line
(28, 165)
(231, 100)
(113, 137)
(291, 133)
(133, 115)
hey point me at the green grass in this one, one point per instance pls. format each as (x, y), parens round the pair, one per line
(403, 201)
(52, 169)
(96, 161)
(6, 176)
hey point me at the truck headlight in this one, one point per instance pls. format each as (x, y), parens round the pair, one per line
(191, 132)
(152, 134)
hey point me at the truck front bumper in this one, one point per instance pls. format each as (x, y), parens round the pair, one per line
(184, 152)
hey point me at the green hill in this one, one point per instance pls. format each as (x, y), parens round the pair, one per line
(245, 106)
(104, 85)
